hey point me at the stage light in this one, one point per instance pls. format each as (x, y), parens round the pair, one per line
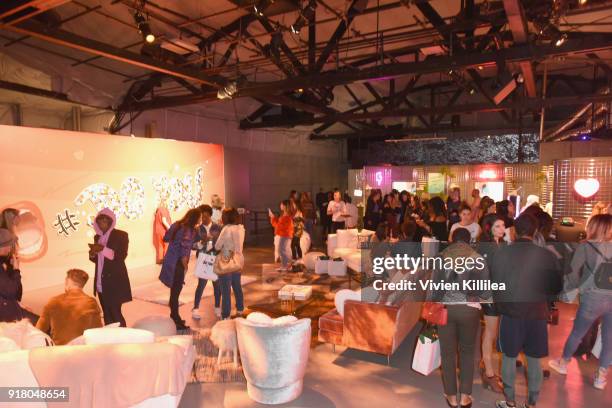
(562, 38)
(257, 11)
(472, 91)
(586, 187)
(303, 18)
(143, 27)
(228, 91)
(582, 2)
(480, 67)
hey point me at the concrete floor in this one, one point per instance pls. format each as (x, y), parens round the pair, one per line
(351, 378)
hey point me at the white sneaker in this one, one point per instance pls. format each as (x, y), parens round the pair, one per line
(601, 378)
(218, 312)
(195, 314)
(559, 365)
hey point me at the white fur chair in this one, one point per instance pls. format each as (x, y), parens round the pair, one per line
(274, 359)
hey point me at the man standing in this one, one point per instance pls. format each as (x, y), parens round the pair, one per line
(207, 235)
(111, 281)
(336, 209)
(67, 316)
(532, 276)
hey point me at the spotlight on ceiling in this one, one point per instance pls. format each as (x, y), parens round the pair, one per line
(304, 17)
(560, 40)
(228, 91)
(143, 27)
(257, 10)
(582, 2)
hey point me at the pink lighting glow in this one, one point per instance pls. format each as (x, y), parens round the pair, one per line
(487, 174)
(379, 178)
(586, 188)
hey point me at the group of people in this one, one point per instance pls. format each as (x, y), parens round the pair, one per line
(198, 231)
(69, 314)
(535, 268)
(297, 215)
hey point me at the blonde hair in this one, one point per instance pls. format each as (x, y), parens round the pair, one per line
(599, 227)
(599, 208)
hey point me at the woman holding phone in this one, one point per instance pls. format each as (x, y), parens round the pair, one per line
(283, 227)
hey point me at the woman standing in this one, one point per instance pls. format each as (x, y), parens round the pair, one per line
(10, 279)
(283, 227)
(373, 211)
(452, 206)
(230, 244)
(308, 211)
(298, 231)
(180, 238)
(336, 209)
(595, 303)
(491, 239)
(111, 281)
(458, 336)
(437, 224)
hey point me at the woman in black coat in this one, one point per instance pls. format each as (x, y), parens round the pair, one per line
(10, 279)
(111, 282)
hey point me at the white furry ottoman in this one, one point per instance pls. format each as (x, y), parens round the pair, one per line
(159, 325)
(223, 336)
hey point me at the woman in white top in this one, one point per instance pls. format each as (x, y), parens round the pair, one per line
(231, 241)
(465, 213)
(337, 209)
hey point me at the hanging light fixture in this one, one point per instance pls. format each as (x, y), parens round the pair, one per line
(304, 17)
(143, 27)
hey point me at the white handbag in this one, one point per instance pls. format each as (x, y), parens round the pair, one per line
(426, 355)
(205, 265)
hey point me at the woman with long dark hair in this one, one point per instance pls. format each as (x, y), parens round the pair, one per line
(437, 224)
(10, 279)
(180, 238)
(491, 239)
(373, 211)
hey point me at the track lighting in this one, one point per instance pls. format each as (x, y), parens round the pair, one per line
(143, 27)
(257, 10)
(560, 40)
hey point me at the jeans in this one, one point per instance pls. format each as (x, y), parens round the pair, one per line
(200, 290)
(593, 305)
(175, 291)
(534, 378)
(111, 310)
(284, 250)
(458, 338)
(229, 282)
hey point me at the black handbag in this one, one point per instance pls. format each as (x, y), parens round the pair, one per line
(603, 274)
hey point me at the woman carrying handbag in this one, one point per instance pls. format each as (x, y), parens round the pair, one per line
(230, 261)
(458, 318)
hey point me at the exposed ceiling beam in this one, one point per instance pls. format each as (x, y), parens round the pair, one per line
(281, 43)
(15, 12)
(355, 8)
(70, 40)
(601, 64)
(585, 44)
(518, 26)
(522, 103)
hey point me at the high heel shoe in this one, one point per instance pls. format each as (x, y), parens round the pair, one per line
(449, 404)
(492, 383)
